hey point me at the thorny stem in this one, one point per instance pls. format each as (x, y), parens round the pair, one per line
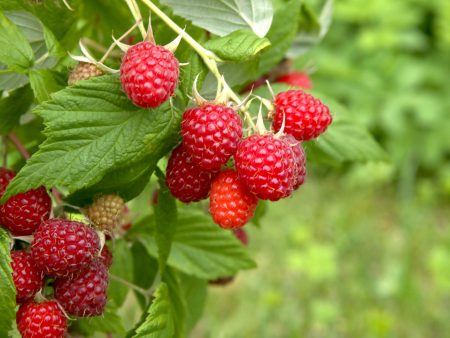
(134, 8)
(144, 292)
(208, 57)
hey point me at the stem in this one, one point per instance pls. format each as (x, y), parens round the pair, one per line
(145, 293)
(134, 8)
(19, 146)
(102, 49)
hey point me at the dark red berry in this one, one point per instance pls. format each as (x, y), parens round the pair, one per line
(6, 176)
(211, 134)
(61, 247)
(106, 257)
(28, 278)
(149, 74)
(41, 320)
(266, 165)
(305, 116)
(300, 160)
(186, 180)
(84, 295)
(297, 79)
(231, 204)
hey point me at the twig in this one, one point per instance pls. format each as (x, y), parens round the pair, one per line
(145, 293)
(19, 146)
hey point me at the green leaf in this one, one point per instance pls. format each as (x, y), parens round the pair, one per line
(122, 267)
(200, 248)
(8, 291)
(225, 16)
(195, 292)
(237, 46)
(188, 74)
(260, 212)
(165, 221)
(13, 106)
(44, 82)
(142, 261)
(10, 80)
(15, 51)
(178, 307)
(92, 129)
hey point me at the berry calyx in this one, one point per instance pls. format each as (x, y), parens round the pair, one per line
(41, 320)
(297, 79)
(231, 204)
(61, 247)
(300, 160)
(266, 165)
(211, 134)
(149, 74)
(28, 278)
(83, 71)
(305, 116)
(106, 212)
(84, 295)
(186, 180)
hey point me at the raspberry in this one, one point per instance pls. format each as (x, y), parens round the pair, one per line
(298, 79)
(84, 295)
(231, 205)
(24, 212)
(211, 134)
(305, 116)
(266, 165)
(43, 320)
(187, 181)
(300, 160)
(106, 212)
(106, 257)
(61, 247)
(6, 176)
(28, 278)
(83, 71)
(149, 74)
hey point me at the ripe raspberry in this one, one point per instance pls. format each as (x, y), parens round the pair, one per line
(28, 278)
(6, 176)
(106, 212)
(84, 295)
(298, 79)
(211, 134)
(24, 212)
(61, 247)
(149, 74)
(106, 257)
(43, 320)
(305, 116)
(300, 160)
(266, 165)
(187, 181)
(231, 204)
(83, 71)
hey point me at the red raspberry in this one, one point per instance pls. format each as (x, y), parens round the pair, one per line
(298, 79)
(211, 134)
(305, 116)
(300, 160)
(266, 165)
(6, 176)
(43, 320)
(149, 74)
(28, 278)
(84, 295)
(187, 181)
(61, 247)
(106, 257)
(231, 204)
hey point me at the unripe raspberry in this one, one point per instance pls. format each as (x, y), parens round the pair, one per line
(300, 160)
(231, 204)
(84, 295)
(266, 165)
(149, 74)
(83, 71)
(297, 79)
(186, 180)
(41, 320)
(61, 247)
(28, 278)
(211, 134)
(305, 116)
(106, 213)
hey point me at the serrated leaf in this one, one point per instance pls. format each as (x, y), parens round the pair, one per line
(165, 221)
(15, 51)
(178, 308)
(200, 248)
(195, 292)
(225, 16)
(122, 267)
(8, 291)
(44, 82)
(92, 129)
(188, 74)
(13, 106)
(142, 261)
(237, 46)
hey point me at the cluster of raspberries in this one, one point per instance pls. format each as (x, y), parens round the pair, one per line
(63, 254)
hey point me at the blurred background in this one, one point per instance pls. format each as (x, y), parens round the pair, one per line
(362, 250)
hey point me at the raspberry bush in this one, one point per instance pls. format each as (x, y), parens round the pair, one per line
(118, 145)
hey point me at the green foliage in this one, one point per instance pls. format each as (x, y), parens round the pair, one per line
(122, 267)
(8, 292)
(13, 107)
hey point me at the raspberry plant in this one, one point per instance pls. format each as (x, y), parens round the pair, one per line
(152, 119)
